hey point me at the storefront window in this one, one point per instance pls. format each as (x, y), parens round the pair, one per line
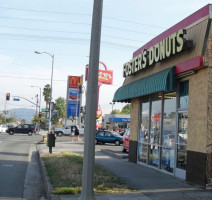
(144, 130)
(169, 132)
(167, 159)
(142, 153)
(155, 119)
(156, 145)
(182, 139)
(184, 96)
(153, 155)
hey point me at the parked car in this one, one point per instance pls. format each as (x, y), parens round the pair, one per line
(22, 128)
(108, 137)
(126, 140)
(66, 130)
(3, 128)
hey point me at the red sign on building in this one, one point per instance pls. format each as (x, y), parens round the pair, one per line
(104, 76)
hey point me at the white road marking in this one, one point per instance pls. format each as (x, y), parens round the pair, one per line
(6, 165)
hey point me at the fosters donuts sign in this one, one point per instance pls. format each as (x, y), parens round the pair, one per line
(171, 45)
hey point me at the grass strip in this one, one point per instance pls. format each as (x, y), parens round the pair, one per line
(65, 174)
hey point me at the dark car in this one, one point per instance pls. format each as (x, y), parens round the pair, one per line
(22, 128)
(108, 137)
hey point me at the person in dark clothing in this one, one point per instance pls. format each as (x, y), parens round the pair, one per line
(77, 133)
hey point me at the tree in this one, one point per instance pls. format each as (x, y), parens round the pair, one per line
(115, 111)
(126, 109)
(60, 106)
(46, 94)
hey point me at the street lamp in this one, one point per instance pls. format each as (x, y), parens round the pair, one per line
(112, 103)
(40, 97)
(50, 100)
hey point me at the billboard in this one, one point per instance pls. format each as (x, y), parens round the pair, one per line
(104, 76)
(73, 96)
(74, 81)
(99, 118)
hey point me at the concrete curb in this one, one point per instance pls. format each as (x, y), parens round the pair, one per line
(48, 187)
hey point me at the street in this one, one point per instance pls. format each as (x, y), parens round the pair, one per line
(20, 176)
(14, 158)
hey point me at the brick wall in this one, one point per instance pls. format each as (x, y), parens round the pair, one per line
(134, 115)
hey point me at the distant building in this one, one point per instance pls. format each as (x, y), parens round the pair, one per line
(116, 120)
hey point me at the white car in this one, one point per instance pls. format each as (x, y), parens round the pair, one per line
(3, 128)
(66, 130)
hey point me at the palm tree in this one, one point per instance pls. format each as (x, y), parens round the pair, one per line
(46, 94)
(60, 106)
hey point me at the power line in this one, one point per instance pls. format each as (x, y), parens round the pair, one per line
(44, 11)
(78, 23)
(21, 77)
(81, 14)
(64, 39)
(29, 51)
(133, 22)
(58, 31)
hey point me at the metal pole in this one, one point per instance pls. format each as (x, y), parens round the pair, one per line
(77, 104)
(40, 96)
(50, 100)
(112, 122)
(67, 101)
(40, 102)
(36, 105)
(91, 105)
(79, 121)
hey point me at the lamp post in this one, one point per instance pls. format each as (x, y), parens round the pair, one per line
(40, 97)
(112, 103)
(50, 100)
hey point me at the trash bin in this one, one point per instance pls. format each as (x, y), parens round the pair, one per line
(51, 140)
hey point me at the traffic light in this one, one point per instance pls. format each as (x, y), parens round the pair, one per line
(40, 114)
(81, 109)
(7, 96)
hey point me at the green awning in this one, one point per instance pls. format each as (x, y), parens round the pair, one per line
(161, 81)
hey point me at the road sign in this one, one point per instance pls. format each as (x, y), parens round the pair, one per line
(16, 99)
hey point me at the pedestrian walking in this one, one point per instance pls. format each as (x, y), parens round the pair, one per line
(77, 133)
(72, 133)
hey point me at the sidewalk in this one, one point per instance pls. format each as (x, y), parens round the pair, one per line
(152, 184)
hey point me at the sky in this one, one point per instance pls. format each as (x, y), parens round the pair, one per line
(62, 28)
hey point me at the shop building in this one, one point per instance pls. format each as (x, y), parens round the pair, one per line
(116, 120)
(169, 85)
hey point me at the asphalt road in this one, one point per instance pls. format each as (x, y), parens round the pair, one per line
(98, 147)
(14, 157)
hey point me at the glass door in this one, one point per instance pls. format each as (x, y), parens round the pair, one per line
(181, 144)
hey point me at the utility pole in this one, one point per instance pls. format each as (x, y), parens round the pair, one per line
(91, 105)
(36, 105)
(112, 123)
